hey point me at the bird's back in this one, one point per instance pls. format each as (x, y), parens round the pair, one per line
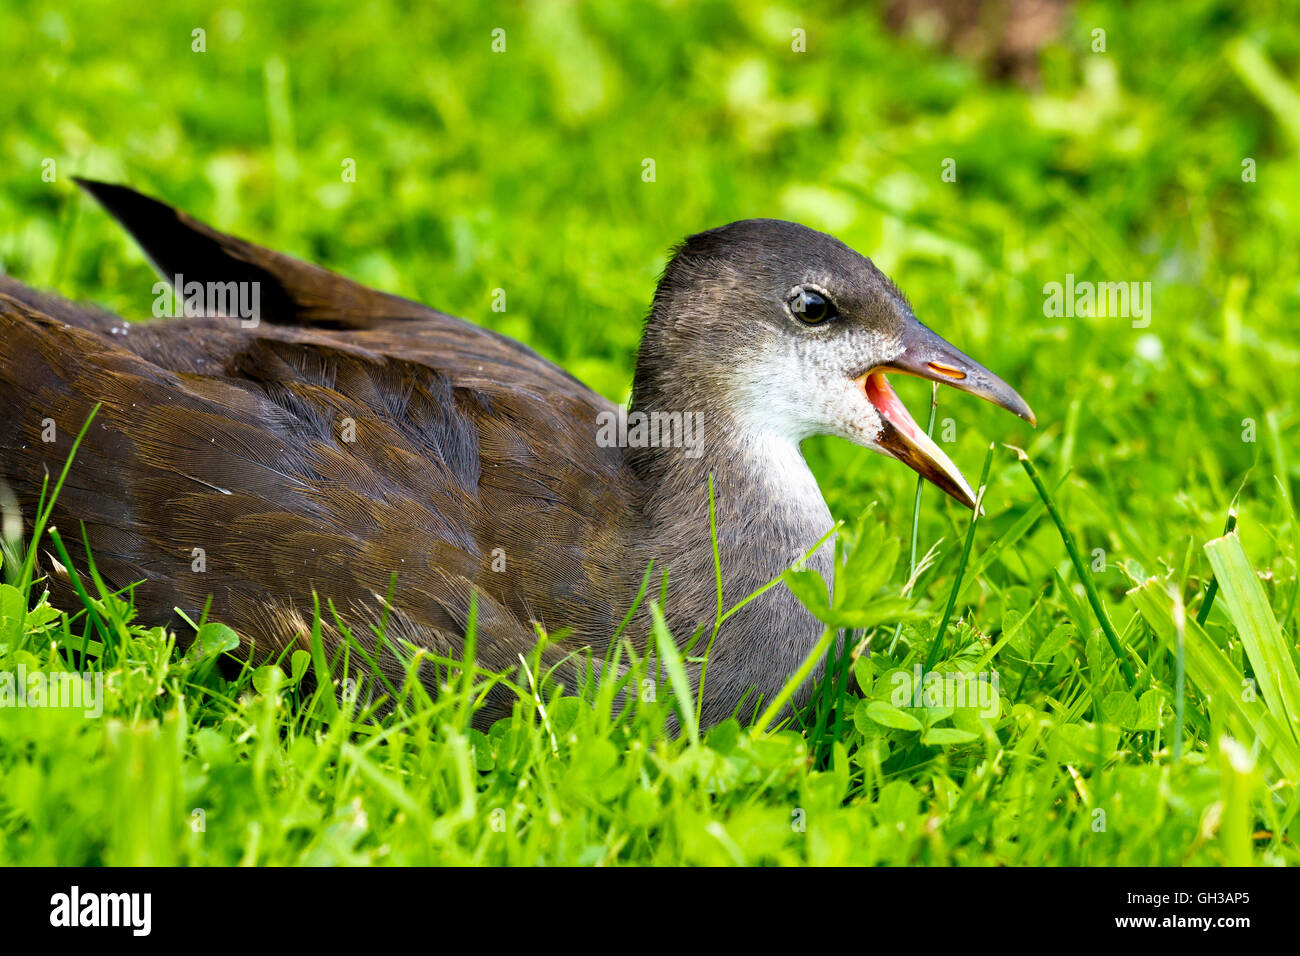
(349, 436)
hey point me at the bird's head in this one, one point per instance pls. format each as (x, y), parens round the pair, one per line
(793, 333)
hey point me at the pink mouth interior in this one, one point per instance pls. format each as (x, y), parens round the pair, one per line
(882, 395)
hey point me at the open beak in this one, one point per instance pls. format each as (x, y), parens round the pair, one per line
(926, 355)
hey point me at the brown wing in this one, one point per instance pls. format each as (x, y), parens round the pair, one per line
(294, 459)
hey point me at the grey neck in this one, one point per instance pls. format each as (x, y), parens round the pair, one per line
(769, 512)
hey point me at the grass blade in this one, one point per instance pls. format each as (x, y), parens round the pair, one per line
(672, 661)
(1211, 670)
(1089, 587)
(43, 517)
(1251, 614)
(933, 654)
(916, 508)
(797, 678)
(1213, 587)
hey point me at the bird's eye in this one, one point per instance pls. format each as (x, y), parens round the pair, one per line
(811, 307)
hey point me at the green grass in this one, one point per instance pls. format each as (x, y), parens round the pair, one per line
(523, 171)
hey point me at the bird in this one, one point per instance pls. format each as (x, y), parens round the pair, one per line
(292, 436)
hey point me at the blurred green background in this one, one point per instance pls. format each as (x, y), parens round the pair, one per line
(523, 170)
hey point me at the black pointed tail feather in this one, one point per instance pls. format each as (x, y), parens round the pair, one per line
(290, 291)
